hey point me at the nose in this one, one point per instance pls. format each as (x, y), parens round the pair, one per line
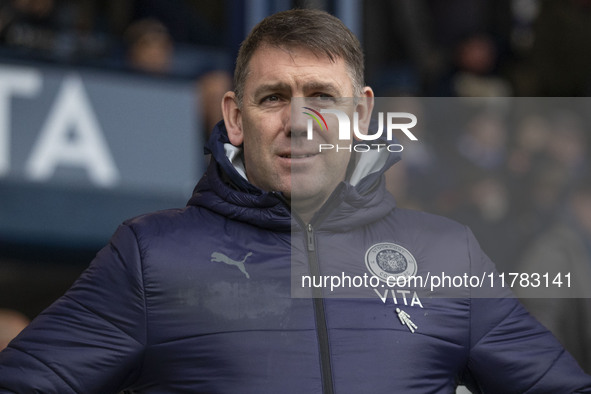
(296, 124)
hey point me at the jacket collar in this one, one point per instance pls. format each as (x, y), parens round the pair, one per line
(225, 189)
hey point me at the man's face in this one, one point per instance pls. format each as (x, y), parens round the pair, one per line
(278, 156)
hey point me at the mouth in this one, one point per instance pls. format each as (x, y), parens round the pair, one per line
(298, 156)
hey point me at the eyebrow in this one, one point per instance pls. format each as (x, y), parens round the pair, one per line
(321, 87)
(271, 87)
(313, 86)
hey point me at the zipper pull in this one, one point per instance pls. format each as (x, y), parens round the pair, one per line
(310, 238)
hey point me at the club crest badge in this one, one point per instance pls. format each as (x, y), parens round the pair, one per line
(390, 260)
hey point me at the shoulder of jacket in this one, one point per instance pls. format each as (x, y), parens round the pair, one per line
(162, 221)
(425, 221)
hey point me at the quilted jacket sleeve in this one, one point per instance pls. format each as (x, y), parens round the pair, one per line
(90, 340)
(510, 351)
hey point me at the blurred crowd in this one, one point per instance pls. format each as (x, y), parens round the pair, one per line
(478, 47)
(148, 35)
(413, 47)
(506, 167)
(172, 38)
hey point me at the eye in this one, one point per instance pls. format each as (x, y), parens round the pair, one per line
(322, 99)
(324, 96)
(270, 98)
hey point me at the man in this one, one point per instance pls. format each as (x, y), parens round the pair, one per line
(198, 299)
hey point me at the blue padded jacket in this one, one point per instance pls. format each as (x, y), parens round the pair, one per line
(208, 299)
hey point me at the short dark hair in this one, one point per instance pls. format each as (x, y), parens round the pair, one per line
(312, 29)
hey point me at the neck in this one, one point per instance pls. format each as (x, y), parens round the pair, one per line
(306, 217)
(306, 208)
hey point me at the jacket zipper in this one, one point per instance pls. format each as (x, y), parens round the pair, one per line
(320, 316)
(318, 303)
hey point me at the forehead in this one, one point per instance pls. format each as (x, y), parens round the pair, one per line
(298, 68)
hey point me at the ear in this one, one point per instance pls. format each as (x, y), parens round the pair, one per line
(232, 118)
(364, 108)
